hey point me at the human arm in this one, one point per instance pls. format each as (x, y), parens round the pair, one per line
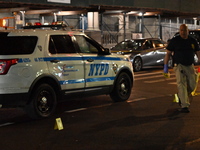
(166, 60)
(198, 55)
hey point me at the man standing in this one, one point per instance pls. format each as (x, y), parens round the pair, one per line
(183, 48)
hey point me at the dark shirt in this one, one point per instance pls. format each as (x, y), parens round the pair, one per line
(183, 50)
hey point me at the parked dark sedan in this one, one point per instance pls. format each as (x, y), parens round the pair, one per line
(143, 52)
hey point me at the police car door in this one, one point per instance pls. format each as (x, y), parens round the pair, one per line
(64, 62)
(97, 67)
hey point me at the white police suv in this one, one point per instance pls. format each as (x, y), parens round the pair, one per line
(40, 67)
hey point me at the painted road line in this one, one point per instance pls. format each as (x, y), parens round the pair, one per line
(137, 99)
(81, 109)
(193, 141)
(105, 105)
(172, 83)
(150, 77)
(147, 74)
(75, 110)
(6, 124)
(160, 80)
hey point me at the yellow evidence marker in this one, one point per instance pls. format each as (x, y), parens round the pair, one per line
(197, 80)
(176, 99)
(58, 124)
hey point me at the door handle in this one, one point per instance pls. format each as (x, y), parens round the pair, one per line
(54, 61)
(90, 60)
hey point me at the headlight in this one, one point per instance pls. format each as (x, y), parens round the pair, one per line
(130, 57)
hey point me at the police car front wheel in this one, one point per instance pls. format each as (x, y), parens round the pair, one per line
(43, 102)
(122, 88)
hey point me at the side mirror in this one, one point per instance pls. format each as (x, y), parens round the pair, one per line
(106, 51)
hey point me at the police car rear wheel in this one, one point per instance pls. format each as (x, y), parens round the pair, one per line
(43, 102)
(122, 88)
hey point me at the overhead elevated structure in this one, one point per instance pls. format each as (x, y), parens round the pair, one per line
(169, 8)
(94, 13)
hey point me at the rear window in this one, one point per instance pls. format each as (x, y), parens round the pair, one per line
(17, 45)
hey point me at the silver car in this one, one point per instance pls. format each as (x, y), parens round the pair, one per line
(143, 52)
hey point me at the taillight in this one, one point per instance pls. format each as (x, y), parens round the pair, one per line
(5, 65)
(37, 24)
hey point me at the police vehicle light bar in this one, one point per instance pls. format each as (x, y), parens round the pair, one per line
(58, 26)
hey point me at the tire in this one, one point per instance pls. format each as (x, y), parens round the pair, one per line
(137, 64)
(122, 88)
(43, 102)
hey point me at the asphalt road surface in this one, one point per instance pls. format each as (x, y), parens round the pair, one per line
(149, 120)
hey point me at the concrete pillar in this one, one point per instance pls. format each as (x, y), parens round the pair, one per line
(142, 25)
(124, 20)
(160, 27)
(42, 20)
(101, 27)
(177, 22)
(23, 18)
(82, 17)
(123, 24)
(55, 17)
(170, 26)
(93, 21)
(195, 23)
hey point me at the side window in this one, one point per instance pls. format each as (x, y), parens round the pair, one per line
(124, 45)
(130, 45)
(148, 44)
(17, 45)
(61, 44)
(119, 46)
(85, 45)
(158, 43)
(139, 44)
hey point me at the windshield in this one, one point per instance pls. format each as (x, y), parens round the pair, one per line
(15, 45)
(129, 45)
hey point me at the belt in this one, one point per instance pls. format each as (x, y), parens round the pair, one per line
(175, 65)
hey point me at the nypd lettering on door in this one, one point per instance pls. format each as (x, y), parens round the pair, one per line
(98, 69)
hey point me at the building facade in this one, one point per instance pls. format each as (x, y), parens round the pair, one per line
(108, 22)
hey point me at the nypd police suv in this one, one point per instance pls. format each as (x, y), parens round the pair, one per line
(40, 67)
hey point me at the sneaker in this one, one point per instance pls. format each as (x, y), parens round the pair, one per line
(184, 110)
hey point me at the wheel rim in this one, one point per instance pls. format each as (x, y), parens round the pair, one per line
(45, 102)
(137, 64)
(170, 62)
(124, 87)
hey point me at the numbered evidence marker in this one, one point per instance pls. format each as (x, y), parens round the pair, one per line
(58, 124)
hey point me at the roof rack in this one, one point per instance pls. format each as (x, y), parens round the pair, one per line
(55, 27)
